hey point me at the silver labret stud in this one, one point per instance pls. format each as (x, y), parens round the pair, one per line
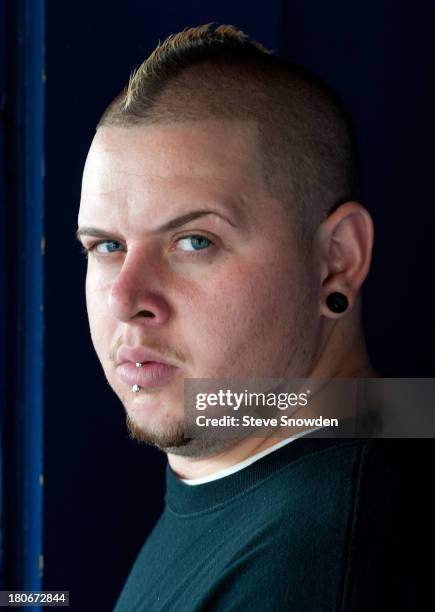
(138, 364)
(135, 388)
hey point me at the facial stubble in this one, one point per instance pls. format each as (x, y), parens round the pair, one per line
(172, 440)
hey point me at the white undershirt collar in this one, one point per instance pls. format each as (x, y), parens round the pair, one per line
(242, 464)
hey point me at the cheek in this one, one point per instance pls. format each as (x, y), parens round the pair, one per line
(246, 320)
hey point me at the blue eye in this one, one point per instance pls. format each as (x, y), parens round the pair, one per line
(194, 243)
(107, 246)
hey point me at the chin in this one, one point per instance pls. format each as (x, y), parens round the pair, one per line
(172, 441)
(171, 435)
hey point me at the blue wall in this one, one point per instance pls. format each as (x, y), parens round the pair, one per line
(22, 323)
(103, 492)
(2, 286)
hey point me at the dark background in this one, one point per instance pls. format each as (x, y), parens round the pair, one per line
(103, 492)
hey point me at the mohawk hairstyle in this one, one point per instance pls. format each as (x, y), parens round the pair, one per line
(191, 43)
(305, 133)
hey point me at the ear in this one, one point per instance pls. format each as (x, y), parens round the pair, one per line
(345, 241)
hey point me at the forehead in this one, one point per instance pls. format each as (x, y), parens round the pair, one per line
(206, 151)
(142, 175)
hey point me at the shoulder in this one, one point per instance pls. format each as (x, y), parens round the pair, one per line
(327, 531)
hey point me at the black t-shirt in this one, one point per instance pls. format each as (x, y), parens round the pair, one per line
(317, 525)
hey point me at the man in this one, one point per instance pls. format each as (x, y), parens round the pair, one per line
(220, 214)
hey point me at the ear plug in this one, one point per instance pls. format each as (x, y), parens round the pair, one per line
(337, 302)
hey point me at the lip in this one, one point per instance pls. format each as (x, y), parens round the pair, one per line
(154, 372)
(151, 374)
(126, 354)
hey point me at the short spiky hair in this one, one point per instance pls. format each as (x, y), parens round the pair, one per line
(306, 135)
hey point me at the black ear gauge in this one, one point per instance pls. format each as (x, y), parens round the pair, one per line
(337, 302)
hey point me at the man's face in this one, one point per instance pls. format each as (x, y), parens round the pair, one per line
(227, 294)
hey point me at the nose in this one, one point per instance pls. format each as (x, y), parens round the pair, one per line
(136, 292)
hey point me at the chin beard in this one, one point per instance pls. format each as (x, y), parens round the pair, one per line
(172, 441)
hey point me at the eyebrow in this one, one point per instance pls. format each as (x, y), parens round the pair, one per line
(170, 225)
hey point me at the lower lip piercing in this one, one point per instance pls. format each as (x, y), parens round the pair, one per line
(136, 388)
